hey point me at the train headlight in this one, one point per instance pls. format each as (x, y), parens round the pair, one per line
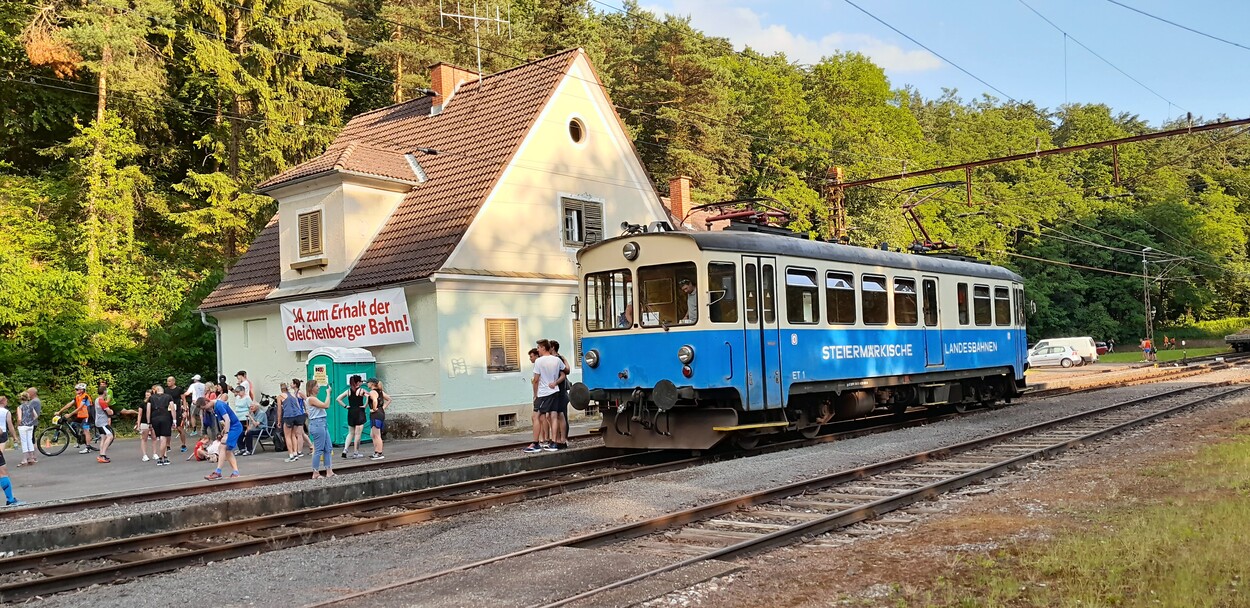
(630, 251)
(591, 358)
(685, 354)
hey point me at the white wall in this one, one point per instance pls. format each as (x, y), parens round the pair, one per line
(519, 228)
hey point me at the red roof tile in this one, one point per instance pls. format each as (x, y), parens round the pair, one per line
(475, 135)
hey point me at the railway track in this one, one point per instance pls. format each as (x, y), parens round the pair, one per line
(874, 423)
(795, 512)
(41, 573)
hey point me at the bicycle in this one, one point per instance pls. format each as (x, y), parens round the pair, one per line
(53, 440)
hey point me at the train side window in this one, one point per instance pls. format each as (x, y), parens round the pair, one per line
(609, 300)
(752, 294)
(722, 293)
(962, 292)
(1002, 306)
(663, 297)
(930, 303)
(802, 305)
(875, 300)
(840, 297)
(981, 304)
(1020, 307)
(905, 302)
(770, 293)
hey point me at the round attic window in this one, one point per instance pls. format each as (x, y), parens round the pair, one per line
(577, 131)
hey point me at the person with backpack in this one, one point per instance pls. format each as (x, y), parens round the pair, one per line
(104, 424)
(291, 413)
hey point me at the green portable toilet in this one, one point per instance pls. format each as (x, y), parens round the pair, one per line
(336, 365)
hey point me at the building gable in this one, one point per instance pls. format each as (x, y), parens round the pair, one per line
(574, 178)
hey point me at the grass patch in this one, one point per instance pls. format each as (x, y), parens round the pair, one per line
(1186, 547)
(1163, 355)
(1205, 330)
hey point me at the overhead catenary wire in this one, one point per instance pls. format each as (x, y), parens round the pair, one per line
(1175, 24)
(935, 53)
(1067, 36)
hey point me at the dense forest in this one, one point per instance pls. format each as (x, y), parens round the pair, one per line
(132, 132)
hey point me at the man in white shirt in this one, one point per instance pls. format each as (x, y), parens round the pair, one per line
(549, 372)
(194, 392)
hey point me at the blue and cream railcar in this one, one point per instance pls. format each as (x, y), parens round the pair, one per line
(692, 338)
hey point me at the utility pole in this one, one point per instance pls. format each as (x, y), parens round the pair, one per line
(835, 194)
(1145, 295)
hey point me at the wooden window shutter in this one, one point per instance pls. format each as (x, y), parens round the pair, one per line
(503, 350)
(310, 234)
(593, 230)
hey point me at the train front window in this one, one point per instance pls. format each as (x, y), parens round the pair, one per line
(1002, 306)
(801, 299)
(981, 304)
(670, 295)
(905, 301)
(722, 294)
(610, 303)
(875, 300)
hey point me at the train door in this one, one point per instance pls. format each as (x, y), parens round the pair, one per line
(932, 323)
(761, 333)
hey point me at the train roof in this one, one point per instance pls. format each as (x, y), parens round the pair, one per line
(737, 241)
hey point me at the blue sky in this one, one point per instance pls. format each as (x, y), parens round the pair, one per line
(1012, 49)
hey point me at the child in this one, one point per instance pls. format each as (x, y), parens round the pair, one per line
(103, 424)
(205, 449)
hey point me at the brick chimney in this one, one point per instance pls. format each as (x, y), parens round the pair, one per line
(679, 197)
(444, 78)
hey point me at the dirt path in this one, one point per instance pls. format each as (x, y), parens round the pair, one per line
(880, 564)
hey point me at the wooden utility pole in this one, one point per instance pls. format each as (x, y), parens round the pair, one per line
(835, 195)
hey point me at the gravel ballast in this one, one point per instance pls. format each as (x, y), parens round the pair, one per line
(318, 572)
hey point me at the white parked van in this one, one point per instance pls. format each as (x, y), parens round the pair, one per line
(1084, 347)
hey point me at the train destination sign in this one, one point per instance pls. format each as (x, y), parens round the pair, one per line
(358, 320)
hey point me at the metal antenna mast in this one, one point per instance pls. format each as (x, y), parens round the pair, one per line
(459, 17)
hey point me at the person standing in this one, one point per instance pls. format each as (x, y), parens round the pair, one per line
(7, 432)
(356, 396)
(561, 433)
(537, 422)
(378, 402)
(144, 424)
(27, 419)
(1110, 345)
(175, 392)
(194, 392)
(103, 423)
(549, 372)
(161, 414)
(241, 380)
(296, 385)
(242, 405)
(318, 429)
(234, 430)
(293, 418)
(81, 402)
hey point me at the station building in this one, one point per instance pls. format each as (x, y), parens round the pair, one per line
(440, 234)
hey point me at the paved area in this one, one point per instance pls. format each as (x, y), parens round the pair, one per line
(73, 475)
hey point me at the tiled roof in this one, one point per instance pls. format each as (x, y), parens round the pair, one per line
(254, 275)
(475, 135)
(348, 155)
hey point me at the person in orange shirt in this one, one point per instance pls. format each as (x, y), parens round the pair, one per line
(82, 416)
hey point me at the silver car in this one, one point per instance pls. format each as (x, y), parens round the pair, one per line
(1063, 356)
